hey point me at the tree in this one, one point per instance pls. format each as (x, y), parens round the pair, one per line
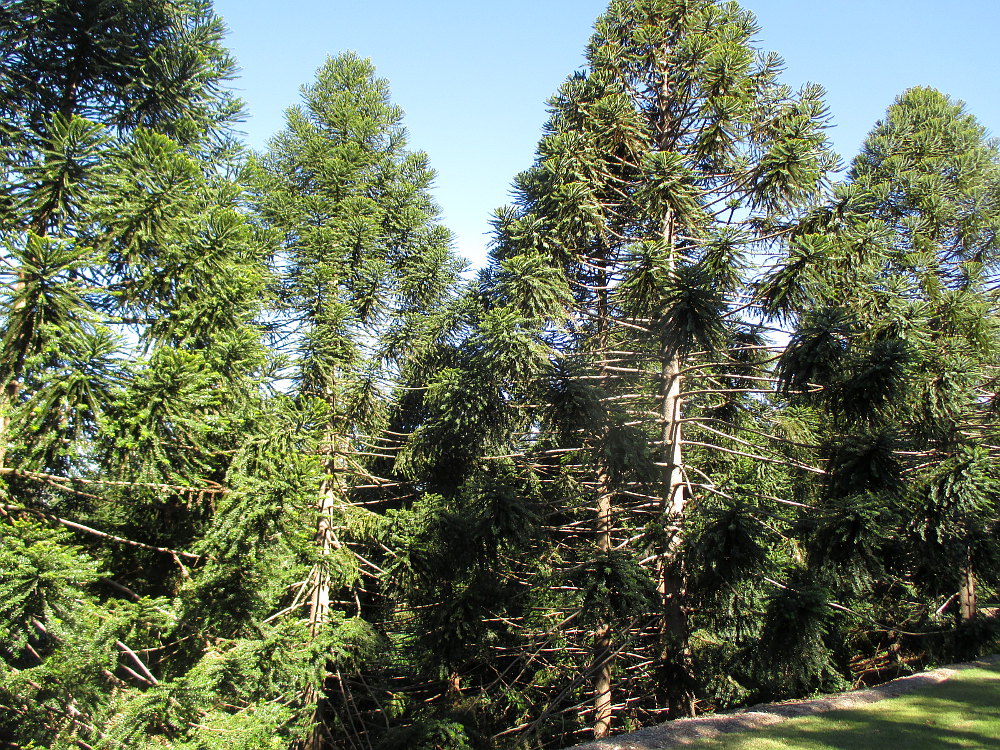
(96, 189)
(364, 271)
(891, 285)
(934, 178)
(667, 163)
(130, 283)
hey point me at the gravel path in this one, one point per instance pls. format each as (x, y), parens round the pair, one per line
(685, 731)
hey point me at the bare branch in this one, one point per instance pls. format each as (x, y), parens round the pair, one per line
(102, 534)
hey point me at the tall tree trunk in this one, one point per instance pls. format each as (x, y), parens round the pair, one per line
(674, 670)
(8, 397)
(603, 525)
(675, 679)
(602, 657)
(967, 593)
(332, 496)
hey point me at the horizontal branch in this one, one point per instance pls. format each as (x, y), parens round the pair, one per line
(793, 464)
(149, 677)
(95, 532)
(214, 489)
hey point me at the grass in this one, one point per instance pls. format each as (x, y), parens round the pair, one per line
(962, 712)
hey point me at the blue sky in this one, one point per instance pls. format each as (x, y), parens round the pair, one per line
(473, 77)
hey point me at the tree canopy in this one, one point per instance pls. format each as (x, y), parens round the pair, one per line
(716, 424)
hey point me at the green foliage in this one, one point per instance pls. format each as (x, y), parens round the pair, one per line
(727, 551)
(40, 585)
(895, 337)
(665, 166)
(47, 302)
(955, 499)
(533, 288)
(272, 477)
(851, 531)
(432, 734)
(794, 651)
(175, 401)
(367, 302)
(144, 63)
(691, 311)
(129, 362)
(614, 587)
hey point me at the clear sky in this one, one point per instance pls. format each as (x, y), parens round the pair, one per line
(473, 77)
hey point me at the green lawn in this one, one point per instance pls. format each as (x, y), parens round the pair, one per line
(962, 712)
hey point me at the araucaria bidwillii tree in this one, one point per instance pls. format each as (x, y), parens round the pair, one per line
(933, 179)
(129, 283)
(892, 287)
(364, 272)
(672, 158)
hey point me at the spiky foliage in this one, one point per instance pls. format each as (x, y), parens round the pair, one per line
(892, 290)
(616, 287)
(935, 183)
(364, 274)
(128, 364)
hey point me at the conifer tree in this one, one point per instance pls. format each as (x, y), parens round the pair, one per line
(899, 328)
(104, 112)
(667, 163)
(130, 282)
(364, 271)
(934, 178)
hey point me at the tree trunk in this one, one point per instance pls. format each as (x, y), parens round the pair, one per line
(602, 658)
(967, 594)
(331, 497)
(604, 523)
(675, 679)
(8, 397)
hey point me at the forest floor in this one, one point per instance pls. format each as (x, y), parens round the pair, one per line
(683, 732)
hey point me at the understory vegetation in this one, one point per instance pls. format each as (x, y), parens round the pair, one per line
(716, 423)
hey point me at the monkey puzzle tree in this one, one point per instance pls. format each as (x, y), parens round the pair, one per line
(102, 106)
(670, 160)
(934, 181)
(902, 335)
(129, 282)
(118, 237)
(363, 270)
